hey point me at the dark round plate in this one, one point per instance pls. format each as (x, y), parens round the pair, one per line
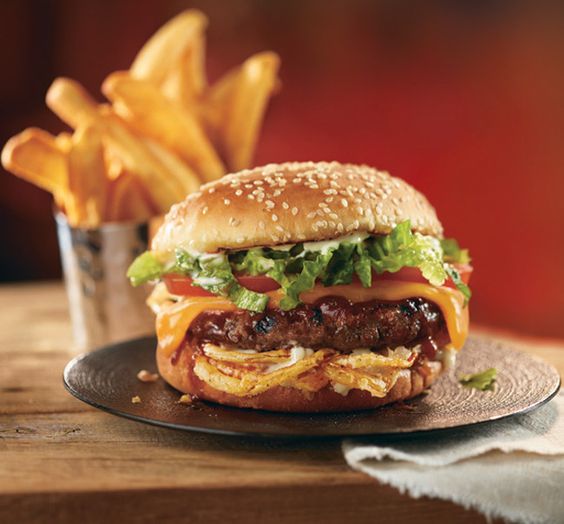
(107, 379)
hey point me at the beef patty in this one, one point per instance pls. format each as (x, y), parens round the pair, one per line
(330, 322)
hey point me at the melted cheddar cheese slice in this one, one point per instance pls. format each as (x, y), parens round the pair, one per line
(173, 321)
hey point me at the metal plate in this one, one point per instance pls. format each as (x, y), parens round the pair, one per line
(106, 379)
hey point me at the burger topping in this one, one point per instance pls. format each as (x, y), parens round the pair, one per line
(299, 267)
(174, 319)
(331, 322)
(248, 373)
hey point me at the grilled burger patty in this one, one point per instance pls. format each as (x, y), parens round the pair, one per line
(330, 322)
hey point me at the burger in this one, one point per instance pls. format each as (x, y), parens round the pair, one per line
(305, 287)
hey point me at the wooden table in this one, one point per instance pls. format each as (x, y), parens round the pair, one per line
(62, 461)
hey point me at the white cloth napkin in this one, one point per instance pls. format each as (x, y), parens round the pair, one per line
(512, 468)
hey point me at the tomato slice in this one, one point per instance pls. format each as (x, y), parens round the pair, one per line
(413, 274)
(181, 285)
(259, 283)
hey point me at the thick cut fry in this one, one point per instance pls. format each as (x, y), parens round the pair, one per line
(127, 200)
(234, 108)
(166, 47)
(184, 175)
(185, 83)
(73, 105)
(34, 156)
(150, 113)
(88, 183)
(64, 141)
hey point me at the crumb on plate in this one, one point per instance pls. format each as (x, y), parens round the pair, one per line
(147, 376)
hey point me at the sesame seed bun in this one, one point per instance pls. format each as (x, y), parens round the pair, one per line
(293, 202)
(410, 383)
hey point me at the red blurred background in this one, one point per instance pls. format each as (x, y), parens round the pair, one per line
(465, 100)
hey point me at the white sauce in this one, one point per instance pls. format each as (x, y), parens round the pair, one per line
(340, 388)
(325, 245)
(297, 353)
(448, 358)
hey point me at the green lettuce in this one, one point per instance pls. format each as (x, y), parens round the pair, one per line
(297, 268)
(144, 268)
(453, 252)
(484, 381)
(402, 248)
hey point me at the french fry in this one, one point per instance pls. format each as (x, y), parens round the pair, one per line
(185, 176)
(34, 156)
(186, 83)
(127, 200)
(168, 45)
(64, 141)
(87, 177)
(70, 101)
(234, 108)
(166, 122)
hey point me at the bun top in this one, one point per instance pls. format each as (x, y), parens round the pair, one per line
(293, 202)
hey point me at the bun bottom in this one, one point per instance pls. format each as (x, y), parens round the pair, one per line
(410, 383)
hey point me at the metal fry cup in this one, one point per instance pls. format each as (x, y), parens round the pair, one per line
(103, 305)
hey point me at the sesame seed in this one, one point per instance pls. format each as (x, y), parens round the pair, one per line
(294, 211)
(226, 201)
(274, 217)
(239, 192)
(269, 204)
(311, 215)
(344, 202)
(204, 210)
(285, 205)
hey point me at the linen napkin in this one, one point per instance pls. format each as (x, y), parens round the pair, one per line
(511, 469)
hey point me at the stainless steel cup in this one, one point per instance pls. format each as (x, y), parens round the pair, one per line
(103, 306)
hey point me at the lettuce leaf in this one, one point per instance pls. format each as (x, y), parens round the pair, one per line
(484, 381)
(145, 267)
(453, 253)
(402, 248)
(304, 281)
(461, 286)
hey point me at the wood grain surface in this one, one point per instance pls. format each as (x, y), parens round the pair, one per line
(61, 461)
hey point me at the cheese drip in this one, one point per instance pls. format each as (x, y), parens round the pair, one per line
(174, 320)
